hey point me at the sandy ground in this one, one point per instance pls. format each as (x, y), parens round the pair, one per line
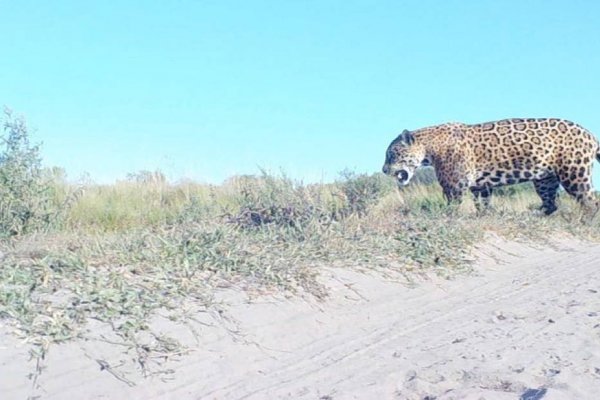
(525, 325)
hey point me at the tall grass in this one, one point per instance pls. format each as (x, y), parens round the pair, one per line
(128, 205)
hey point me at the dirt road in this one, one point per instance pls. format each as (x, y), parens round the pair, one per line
(525, 325)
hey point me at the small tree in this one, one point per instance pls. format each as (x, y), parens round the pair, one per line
(25, 193)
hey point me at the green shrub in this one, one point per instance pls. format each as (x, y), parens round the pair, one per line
(424, 176)
(279, 201)
(512, 190)
(27, 193)
(362, 191)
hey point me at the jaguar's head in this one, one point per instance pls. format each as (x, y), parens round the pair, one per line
(404, 155)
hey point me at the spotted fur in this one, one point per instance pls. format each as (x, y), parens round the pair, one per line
(547, 151)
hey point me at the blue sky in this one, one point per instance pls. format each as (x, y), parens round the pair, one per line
(208, 89)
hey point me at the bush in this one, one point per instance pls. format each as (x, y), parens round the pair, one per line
(424, 176)
(279, 201)
(26, 190)
(361, 191)
(512, 190)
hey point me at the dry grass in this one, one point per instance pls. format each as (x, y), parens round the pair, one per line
(126, 251)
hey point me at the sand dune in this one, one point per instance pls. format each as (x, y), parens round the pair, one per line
(525, 325)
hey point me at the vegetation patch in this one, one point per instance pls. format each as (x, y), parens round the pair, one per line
(122, 253)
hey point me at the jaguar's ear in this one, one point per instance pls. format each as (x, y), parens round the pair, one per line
(408, 137)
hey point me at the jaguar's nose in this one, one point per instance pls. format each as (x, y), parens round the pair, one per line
(385, 169)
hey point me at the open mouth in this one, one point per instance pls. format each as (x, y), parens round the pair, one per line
(403, 177)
